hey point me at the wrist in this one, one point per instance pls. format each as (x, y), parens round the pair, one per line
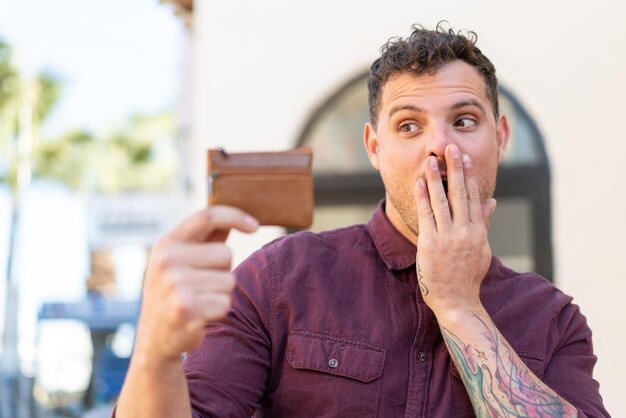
(149, 352)
(150, 359)
(455, 311)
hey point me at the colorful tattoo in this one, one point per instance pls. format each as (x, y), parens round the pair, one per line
(503, 387)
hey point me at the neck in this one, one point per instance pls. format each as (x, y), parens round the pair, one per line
(398, 222)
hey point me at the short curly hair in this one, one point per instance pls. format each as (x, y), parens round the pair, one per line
(427, 51)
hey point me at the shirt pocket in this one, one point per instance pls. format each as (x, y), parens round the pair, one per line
(461, 404)
(330, 376)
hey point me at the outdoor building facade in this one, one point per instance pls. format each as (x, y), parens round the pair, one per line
(276, 74)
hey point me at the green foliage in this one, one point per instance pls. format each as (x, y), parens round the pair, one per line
(8, 76)
(65, 158)
(9, 84)
(139, 155)
(48, 94)
(17, 94)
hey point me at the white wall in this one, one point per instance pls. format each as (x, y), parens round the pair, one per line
(262, 66)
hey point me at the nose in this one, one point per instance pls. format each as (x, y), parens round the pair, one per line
(438, 140)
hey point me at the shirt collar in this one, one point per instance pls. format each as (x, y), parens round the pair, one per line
(397, 252)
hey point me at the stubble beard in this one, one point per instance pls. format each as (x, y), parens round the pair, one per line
(401, 197)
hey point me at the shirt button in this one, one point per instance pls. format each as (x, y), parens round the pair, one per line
(333, 363)
(421, 356)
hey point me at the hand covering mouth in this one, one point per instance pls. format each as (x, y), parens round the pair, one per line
(443, 172)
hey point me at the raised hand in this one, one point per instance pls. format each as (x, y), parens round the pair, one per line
(188, 282)
(453, 253)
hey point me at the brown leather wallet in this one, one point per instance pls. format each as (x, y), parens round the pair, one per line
(274, 187)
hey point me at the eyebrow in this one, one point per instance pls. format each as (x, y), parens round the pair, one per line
(396, 109)
(467, 103)
(458, 105)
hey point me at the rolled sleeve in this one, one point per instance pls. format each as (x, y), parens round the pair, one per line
(227, 374)
(570, 369)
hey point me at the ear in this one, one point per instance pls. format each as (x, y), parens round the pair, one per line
(370, 140)
(502, 136)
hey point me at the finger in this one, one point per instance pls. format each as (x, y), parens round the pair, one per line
(488, 208)
(473, 191)
(202, 225)
(438, 198)
(457, 194)
(212, 255)
(425, 216)
(210, 281)
(215, 306)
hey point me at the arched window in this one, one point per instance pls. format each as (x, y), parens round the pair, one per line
(347, 188)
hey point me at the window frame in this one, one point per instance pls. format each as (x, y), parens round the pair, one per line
(528, 181)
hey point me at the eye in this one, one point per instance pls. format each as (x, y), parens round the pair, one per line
(408, 128)
(465, 123)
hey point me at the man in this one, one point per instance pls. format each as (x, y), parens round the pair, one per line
(409, 315)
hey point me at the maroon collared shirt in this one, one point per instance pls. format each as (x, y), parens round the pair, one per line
(332, 325)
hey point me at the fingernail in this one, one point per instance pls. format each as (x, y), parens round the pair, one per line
(454, 151)
(421, 183)
(432, 162)
(467, 161)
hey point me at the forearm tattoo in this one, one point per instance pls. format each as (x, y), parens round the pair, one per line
(499, 384)
(420, 280)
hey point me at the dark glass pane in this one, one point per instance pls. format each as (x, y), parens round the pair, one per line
(510, 233)
(522, 148)
(337, 216)
(336, 133)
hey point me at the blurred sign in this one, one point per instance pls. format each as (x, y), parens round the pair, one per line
(132, 218)
(97, 313)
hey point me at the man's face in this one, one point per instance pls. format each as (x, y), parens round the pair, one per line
(419, 116)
